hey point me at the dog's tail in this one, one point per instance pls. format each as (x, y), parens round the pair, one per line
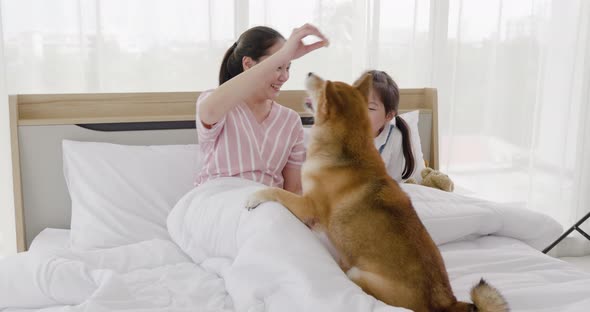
(485, 299)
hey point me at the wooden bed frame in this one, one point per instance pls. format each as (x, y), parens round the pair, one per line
(34, 115)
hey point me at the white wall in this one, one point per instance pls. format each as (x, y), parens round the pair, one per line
(7, 225)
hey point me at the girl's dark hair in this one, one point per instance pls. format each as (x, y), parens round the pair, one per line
(387, 91)
(254, 43)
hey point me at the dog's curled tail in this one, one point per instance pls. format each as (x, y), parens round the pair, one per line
(485, 299)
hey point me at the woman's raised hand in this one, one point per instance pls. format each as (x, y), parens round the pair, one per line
(294, 48)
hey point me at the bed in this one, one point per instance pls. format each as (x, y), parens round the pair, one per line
(108, 220)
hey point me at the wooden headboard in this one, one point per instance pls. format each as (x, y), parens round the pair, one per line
(39, 122)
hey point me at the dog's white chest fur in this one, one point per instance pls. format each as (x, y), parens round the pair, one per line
(313, 164)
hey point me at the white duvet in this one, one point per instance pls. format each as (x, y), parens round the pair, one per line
(152, 275)
(224, 258)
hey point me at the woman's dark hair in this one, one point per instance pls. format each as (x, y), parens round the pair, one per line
(387, 91)
(253, 43)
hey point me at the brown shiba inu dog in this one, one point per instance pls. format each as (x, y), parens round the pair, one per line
(347, 193)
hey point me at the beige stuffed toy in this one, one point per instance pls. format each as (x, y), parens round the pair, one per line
(434, 178)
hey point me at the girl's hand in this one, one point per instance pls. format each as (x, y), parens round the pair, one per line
(294, 48)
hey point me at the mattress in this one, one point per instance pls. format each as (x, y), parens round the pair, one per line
(221, 257)
(530, 280)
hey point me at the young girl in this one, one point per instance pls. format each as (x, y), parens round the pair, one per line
(392, 133)
(242, 131)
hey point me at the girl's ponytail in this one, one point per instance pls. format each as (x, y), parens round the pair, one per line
(406, 147)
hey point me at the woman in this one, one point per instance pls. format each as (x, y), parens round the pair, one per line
(242, 131)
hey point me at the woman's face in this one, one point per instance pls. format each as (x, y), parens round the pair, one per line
(280, 75)
(377, 114)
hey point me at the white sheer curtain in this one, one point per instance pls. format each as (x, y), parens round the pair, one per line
(7, 226)
(513, 75)
(164, 45)
(514, 88)
(66, 46)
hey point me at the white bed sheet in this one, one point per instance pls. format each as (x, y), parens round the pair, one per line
(224, 258)
(152, 275)
(529, 279)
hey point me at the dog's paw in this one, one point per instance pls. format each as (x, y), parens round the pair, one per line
(252, 203)
(255, 200)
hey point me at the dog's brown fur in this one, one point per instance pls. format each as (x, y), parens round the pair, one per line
(347, 193)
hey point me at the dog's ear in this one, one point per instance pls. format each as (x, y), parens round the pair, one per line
(332, 91)
(364, 84)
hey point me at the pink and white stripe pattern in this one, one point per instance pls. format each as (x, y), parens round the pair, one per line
(239, 146)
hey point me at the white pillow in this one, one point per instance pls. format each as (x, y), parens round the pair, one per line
(122, 194)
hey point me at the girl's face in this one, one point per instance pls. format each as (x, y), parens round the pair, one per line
(280, 75)
(377, 114)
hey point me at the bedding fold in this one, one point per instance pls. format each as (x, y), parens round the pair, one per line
(450, 217)
(153, 274)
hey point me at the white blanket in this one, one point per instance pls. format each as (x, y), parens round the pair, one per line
(225, 258)
(279, 265)
(450, 217)
(151, 275)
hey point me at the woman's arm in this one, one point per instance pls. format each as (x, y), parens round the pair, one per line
(245, 85)
(292, 176)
